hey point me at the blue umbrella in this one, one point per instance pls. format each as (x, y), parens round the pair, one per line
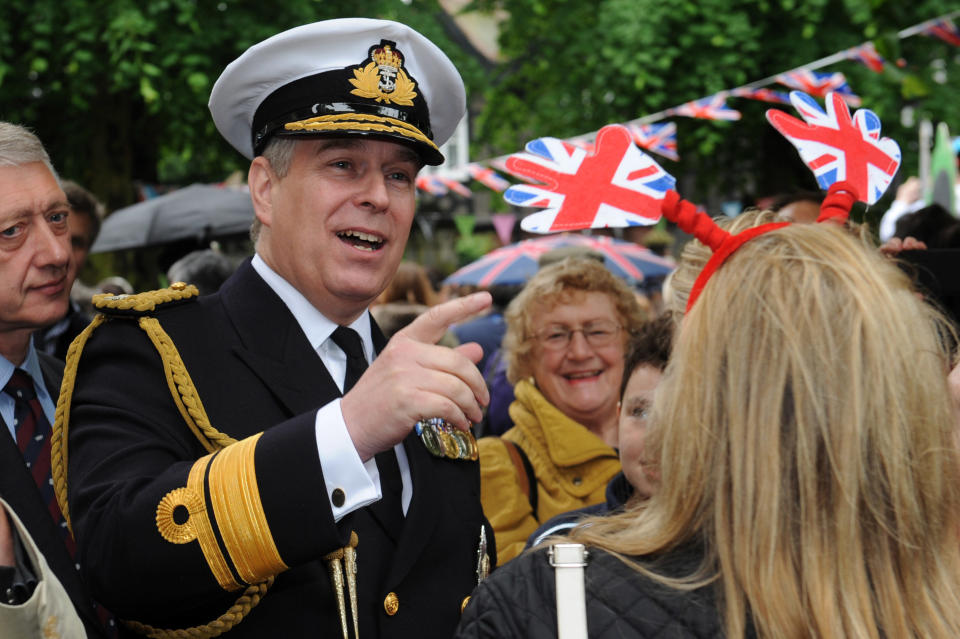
(516, 263)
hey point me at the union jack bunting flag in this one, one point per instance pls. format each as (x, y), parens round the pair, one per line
(439, 185)
(583, 144)
(837, 148)
(457, 187)
(867, 54)
(488, 177)
(660, 138)
(765, 95)
(615, 186)
(431, 185)
(819, 84)
(946, 30)
(713, 107)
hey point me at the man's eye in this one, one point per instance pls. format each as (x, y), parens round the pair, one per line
(11, 231)
(58, 216)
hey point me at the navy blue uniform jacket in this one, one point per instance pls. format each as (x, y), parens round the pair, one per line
(254, 371)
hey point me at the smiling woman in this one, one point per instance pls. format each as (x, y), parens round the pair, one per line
(565, 340)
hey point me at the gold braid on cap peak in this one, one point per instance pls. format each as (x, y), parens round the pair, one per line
(360, 122)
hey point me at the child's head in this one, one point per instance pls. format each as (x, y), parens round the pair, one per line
(646, 358)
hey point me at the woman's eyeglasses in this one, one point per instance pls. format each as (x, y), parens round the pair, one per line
(598, 334)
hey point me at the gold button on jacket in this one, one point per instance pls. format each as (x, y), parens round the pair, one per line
(391, 603)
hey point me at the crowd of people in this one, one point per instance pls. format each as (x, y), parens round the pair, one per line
(287, 446)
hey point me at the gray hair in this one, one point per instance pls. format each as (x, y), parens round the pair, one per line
(19, 146)
(279, 153)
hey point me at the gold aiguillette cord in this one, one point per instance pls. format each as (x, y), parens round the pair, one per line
(348, 555)
(336, 578)
(350, 567)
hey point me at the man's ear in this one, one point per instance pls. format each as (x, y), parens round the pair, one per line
(260, 180)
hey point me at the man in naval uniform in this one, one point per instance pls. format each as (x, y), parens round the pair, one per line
(230, 462)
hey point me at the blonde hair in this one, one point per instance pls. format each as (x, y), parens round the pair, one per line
(696, 254)
(804, 434)
(553, 285)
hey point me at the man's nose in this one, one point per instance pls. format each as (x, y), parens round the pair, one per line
(373, 193)
(53, 249)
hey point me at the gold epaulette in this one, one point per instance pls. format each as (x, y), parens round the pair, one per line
(260, 565)
(140, 304)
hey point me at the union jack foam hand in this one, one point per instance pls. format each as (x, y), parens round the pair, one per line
(614, 186)
(838, 148)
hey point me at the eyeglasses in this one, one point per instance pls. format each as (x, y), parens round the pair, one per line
(598, 334)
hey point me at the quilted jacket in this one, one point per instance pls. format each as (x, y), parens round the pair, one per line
(519, 601)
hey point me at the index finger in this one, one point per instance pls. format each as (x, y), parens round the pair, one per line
(429, 327)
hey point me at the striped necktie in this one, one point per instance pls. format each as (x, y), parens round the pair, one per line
(33, 434)
(33, 439)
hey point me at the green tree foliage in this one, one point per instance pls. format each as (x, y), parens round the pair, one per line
(118, 89)
(574, 66)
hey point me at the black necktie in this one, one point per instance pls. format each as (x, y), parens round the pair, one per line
(390, 508)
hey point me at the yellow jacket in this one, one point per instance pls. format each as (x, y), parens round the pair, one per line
(572, 466)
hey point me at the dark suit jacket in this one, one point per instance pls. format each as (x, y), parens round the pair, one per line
(18, 488)
(255, 371)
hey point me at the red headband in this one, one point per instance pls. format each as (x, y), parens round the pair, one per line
(836, 206)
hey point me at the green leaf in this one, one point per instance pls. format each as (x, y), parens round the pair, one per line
(198, 81)
(913, 87)
(147, 91)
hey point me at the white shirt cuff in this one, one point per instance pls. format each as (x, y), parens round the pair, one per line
(350, 483)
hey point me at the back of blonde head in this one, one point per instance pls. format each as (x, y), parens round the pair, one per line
(696, 254)
(804, 433)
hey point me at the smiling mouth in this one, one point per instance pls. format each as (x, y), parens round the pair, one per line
(360, 240)
(584, 375)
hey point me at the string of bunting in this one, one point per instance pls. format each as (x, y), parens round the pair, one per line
(649, 133)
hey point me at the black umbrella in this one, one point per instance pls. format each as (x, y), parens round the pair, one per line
(199, 211)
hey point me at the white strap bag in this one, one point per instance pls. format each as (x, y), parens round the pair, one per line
(568, 561)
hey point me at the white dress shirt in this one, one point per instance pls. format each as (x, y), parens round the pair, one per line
(342, 467)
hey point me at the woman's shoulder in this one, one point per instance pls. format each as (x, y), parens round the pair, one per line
(519, 599)
(516, 600)
(623, 601)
